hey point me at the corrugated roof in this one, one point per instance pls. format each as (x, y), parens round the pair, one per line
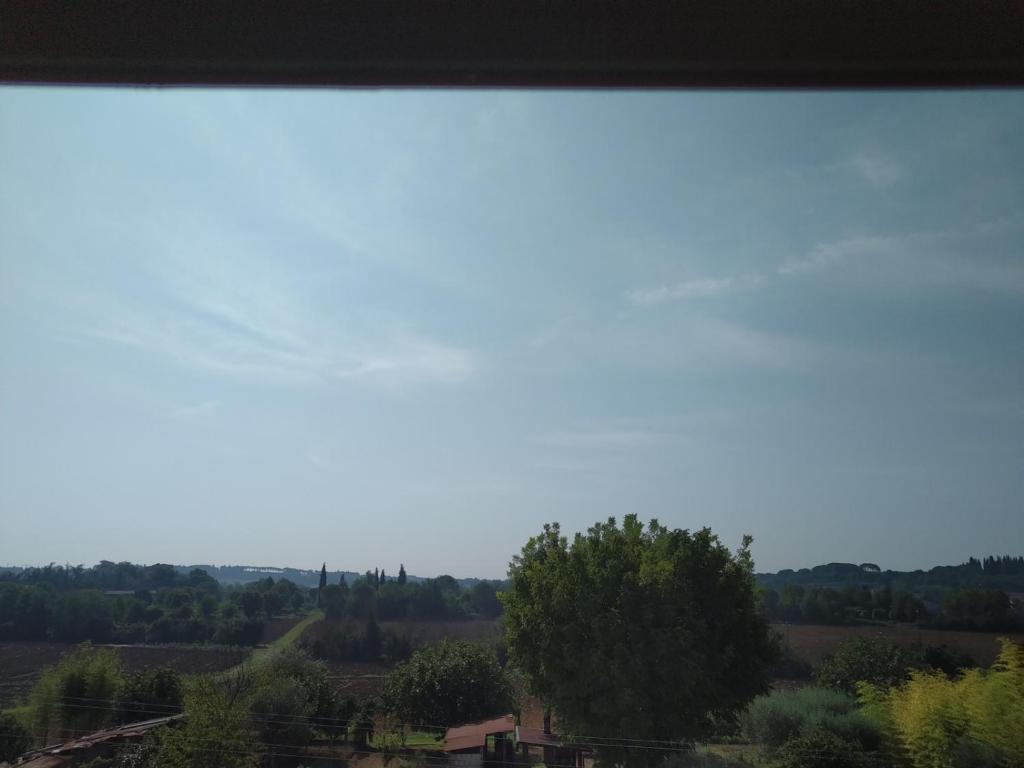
(474, 735)
(46, 757)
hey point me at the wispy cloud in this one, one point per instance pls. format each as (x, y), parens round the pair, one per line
(701, 288)
(243, 318)
(412, 359)
(877, 170)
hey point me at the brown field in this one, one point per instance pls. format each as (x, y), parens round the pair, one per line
(812, 643)
(22, 663)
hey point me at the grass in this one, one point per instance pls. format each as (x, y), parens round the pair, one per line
(289, 638)
(391, 740)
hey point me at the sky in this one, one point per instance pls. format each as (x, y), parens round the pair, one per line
(382, 327)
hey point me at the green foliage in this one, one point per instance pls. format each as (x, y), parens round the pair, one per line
(292, 699)
(940, 722)
(446, 684)
(876, 661)
(348, 642)
(216, 730)
(332, 601)
(78, 694)
(69, 605)
(14, 737)
(149, 693)
(774, 719)
(981, 609)
(821, 747)
(645, 634)
(484, 599)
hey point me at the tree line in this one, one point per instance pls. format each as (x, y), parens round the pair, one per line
(157, 605)
(396, 599)
(989, 610)
(1004, 572)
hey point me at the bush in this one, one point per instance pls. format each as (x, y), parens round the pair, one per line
(821, 748)
(977, 719)
(149, 694)
(14, 738)
(781, 715)
(876, 661)
(78, 694)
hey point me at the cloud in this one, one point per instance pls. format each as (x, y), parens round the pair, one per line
(827, 255)
(411, 360)
(248, 319)
(876, 170)
(701, 288)
(961, 259)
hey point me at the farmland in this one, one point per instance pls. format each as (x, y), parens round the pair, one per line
(812, 643)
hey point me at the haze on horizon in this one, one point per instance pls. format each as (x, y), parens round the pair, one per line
(278, 328)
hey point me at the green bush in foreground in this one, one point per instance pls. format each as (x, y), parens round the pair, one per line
(774, 719)
(819, 747)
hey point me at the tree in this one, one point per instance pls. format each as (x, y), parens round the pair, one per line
(376, 578)
(149, 693)
(446, 684)
(77, 696)
(216, 729)
(876, 661)
(402, 578)
(637, 634)
(332, 600)
(323, 582)
(14, 738)
(383, 577)
(342, 583)
(484, 599)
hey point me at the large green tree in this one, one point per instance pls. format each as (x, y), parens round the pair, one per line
(637, 633)
(449, 683)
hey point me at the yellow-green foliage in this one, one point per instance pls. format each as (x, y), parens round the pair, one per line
(937, 722)
(995, 703)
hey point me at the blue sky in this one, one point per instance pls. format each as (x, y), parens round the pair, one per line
(378, 327)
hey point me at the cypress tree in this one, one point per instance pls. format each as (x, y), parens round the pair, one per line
(383, 578)
(401, 574)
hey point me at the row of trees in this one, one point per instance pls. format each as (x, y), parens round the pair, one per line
(195, 610)
(981, 609)
(398, 599)
(992, 572)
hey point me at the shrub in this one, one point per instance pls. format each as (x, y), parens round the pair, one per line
(977, 719)
(78, 694)
(821, 748)
(874, 661)
(781, 715)
(153, 693)
(14, 737)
